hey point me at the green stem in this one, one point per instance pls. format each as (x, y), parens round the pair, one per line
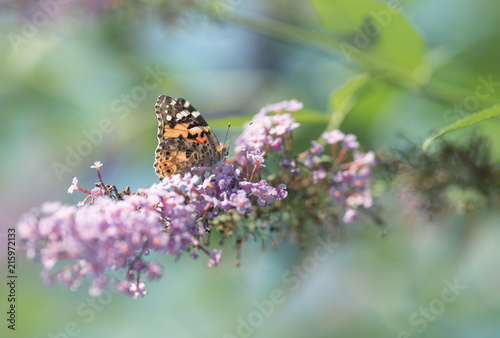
(434, 89)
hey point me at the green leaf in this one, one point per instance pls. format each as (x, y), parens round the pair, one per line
(373, 32)
(344, 98)
(310, 116)
(465, 122)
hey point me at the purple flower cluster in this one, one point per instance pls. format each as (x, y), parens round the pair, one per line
(108, 233)
(269, 128)
(349, 181)
(271, 131)
(225, 188)
(105, 234)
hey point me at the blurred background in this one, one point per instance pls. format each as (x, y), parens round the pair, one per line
(78, 83)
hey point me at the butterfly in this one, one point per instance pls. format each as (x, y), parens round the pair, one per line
(185, 140)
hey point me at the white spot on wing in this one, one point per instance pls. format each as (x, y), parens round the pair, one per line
(186, 104)
(178, 116)
(195, 113)
(169, 117)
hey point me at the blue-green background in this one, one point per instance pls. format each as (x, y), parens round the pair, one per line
(229, 58)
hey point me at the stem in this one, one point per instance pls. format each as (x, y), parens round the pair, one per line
(83, 190)
(246, 166)
(434, 89)
(341, 157)
(308, 38)
(99, 174)
(204, 250)
(253, 173)
(290, 141)
(335, 121)
(117, 194)
(334, 151)
(86, 199)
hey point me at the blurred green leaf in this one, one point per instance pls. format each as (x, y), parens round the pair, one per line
(373, 31)
(344, 98)
(310, 116)
(462, 123)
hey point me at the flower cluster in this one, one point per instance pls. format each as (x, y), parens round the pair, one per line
(269, 128)
(118, 231)
(107, 234)
(349, 182)
(242, 197)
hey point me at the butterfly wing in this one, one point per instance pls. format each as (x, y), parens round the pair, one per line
(184, 138)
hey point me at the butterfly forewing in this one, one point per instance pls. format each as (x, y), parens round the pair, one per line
(184, 138)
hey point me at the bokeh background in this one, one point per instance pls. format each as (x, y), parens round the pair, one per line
(78, 82)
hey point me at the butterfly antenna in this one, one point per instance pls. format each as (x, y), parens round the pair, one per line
(227, 132)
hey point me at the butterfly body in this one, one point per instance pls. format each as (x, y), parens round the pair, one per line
(185, 140)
